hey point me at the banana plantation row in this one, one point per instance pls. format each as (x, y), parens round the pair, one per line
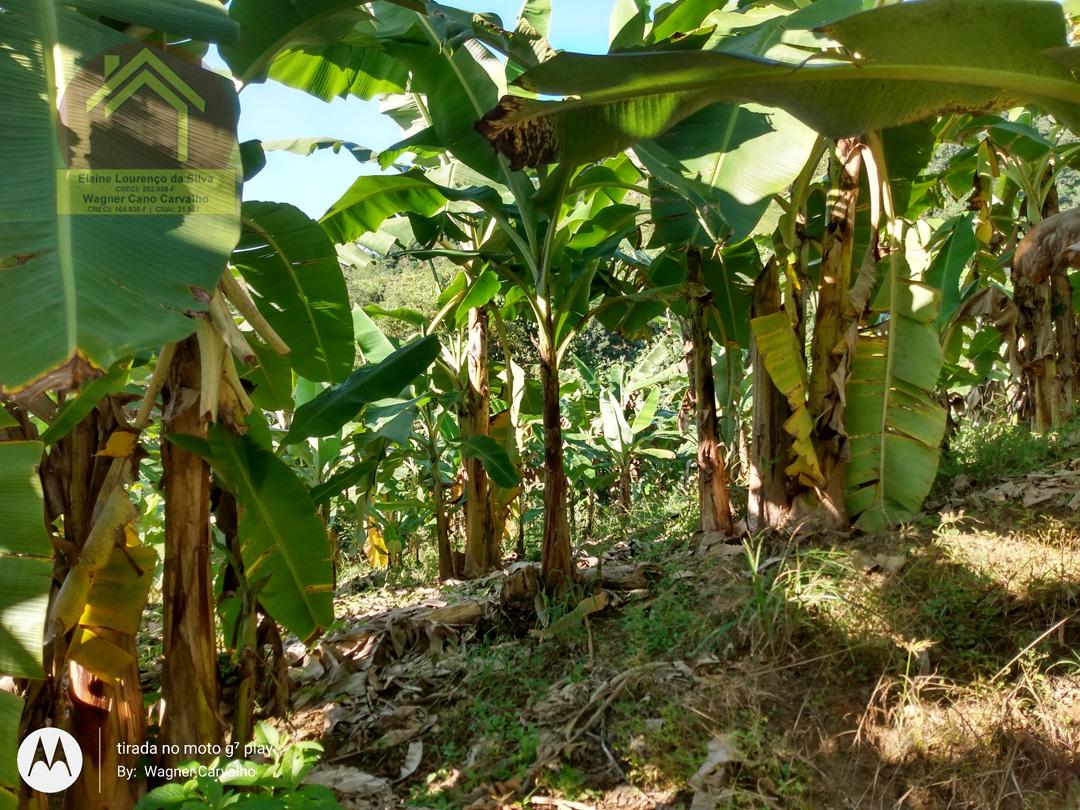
(847, 214)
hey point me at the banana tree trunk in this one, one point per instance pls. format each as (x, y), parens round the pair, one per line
(1065, 331)
(106, 715)
(713, 493)
(102, 713)
(769, 501)
(189, 678)
(624, 490)
(826, 400)
(482, 551)
(590, 519)
(442, 526)
(1041, 288)
(556, 564)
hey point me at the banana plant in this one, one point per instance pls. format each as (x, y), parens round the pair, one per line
(622, 98)
(629, 441)
(883, 67)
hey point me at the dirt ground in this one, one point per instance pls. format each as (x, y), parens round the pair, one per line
(931, 667)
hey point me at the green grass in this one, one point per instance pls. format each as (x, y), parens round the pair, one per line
(1000, 449)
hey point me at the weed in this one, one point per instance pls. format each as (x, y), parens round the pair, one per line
(670, 626)
(1000, 449)
(567, 782)
(663, 746)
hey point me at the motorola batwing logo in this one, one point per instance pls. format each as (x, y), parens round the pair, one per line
(50, 760)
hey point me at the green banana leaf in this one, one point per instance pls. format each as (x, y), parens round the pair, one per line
(374, 344)
(617, 431)
(893, 419)
(300, 289)
(273, 378)
(76, 409)
(309, 146)
(643, 418)
(271, 27)
(479, 294)
(899, 64)
(373, 198)
(108, 285)
(494, 458)
(283, 542)
(952, 259)
(25, 561)
(733, 158)
(11, 709)
(340, 70)
(331, 409)
(205, 20)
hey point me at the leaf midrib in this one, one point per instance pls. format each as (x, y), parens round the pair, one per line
(54, 87)
(774, 73)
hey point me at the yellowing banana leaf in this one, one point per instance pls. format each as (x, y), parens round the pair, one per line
(108, 661)
(378, 556)
(120, 589)
(778, 346)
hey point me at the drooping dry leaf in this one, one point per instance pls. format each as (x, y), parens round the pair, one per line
(412, 761)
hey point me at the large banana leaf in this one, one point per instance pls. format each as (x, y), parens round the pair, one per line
(374, 345)
(617, 431)
(340, 70)
(283, 542)
(460, 83)
(204, 20)
(269, 27)
(900, 63)
(25, 561)
(733, 159)
(783, 361)
(494, 457)
(893, 419)
(293, 267)
(11, 708)
(373, 198)
(326, 413)
(78, 292)
(952, 259)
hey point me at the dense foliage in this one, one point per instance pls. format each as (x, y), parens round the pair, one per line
(772, 253)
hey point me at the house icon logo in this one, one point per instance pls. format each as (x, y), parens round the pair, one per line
(49, 760)
(138, 107)
(147, 132)
(148, 70)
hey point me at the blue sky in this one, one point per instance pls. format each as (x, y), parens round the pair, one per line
(271, 111)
